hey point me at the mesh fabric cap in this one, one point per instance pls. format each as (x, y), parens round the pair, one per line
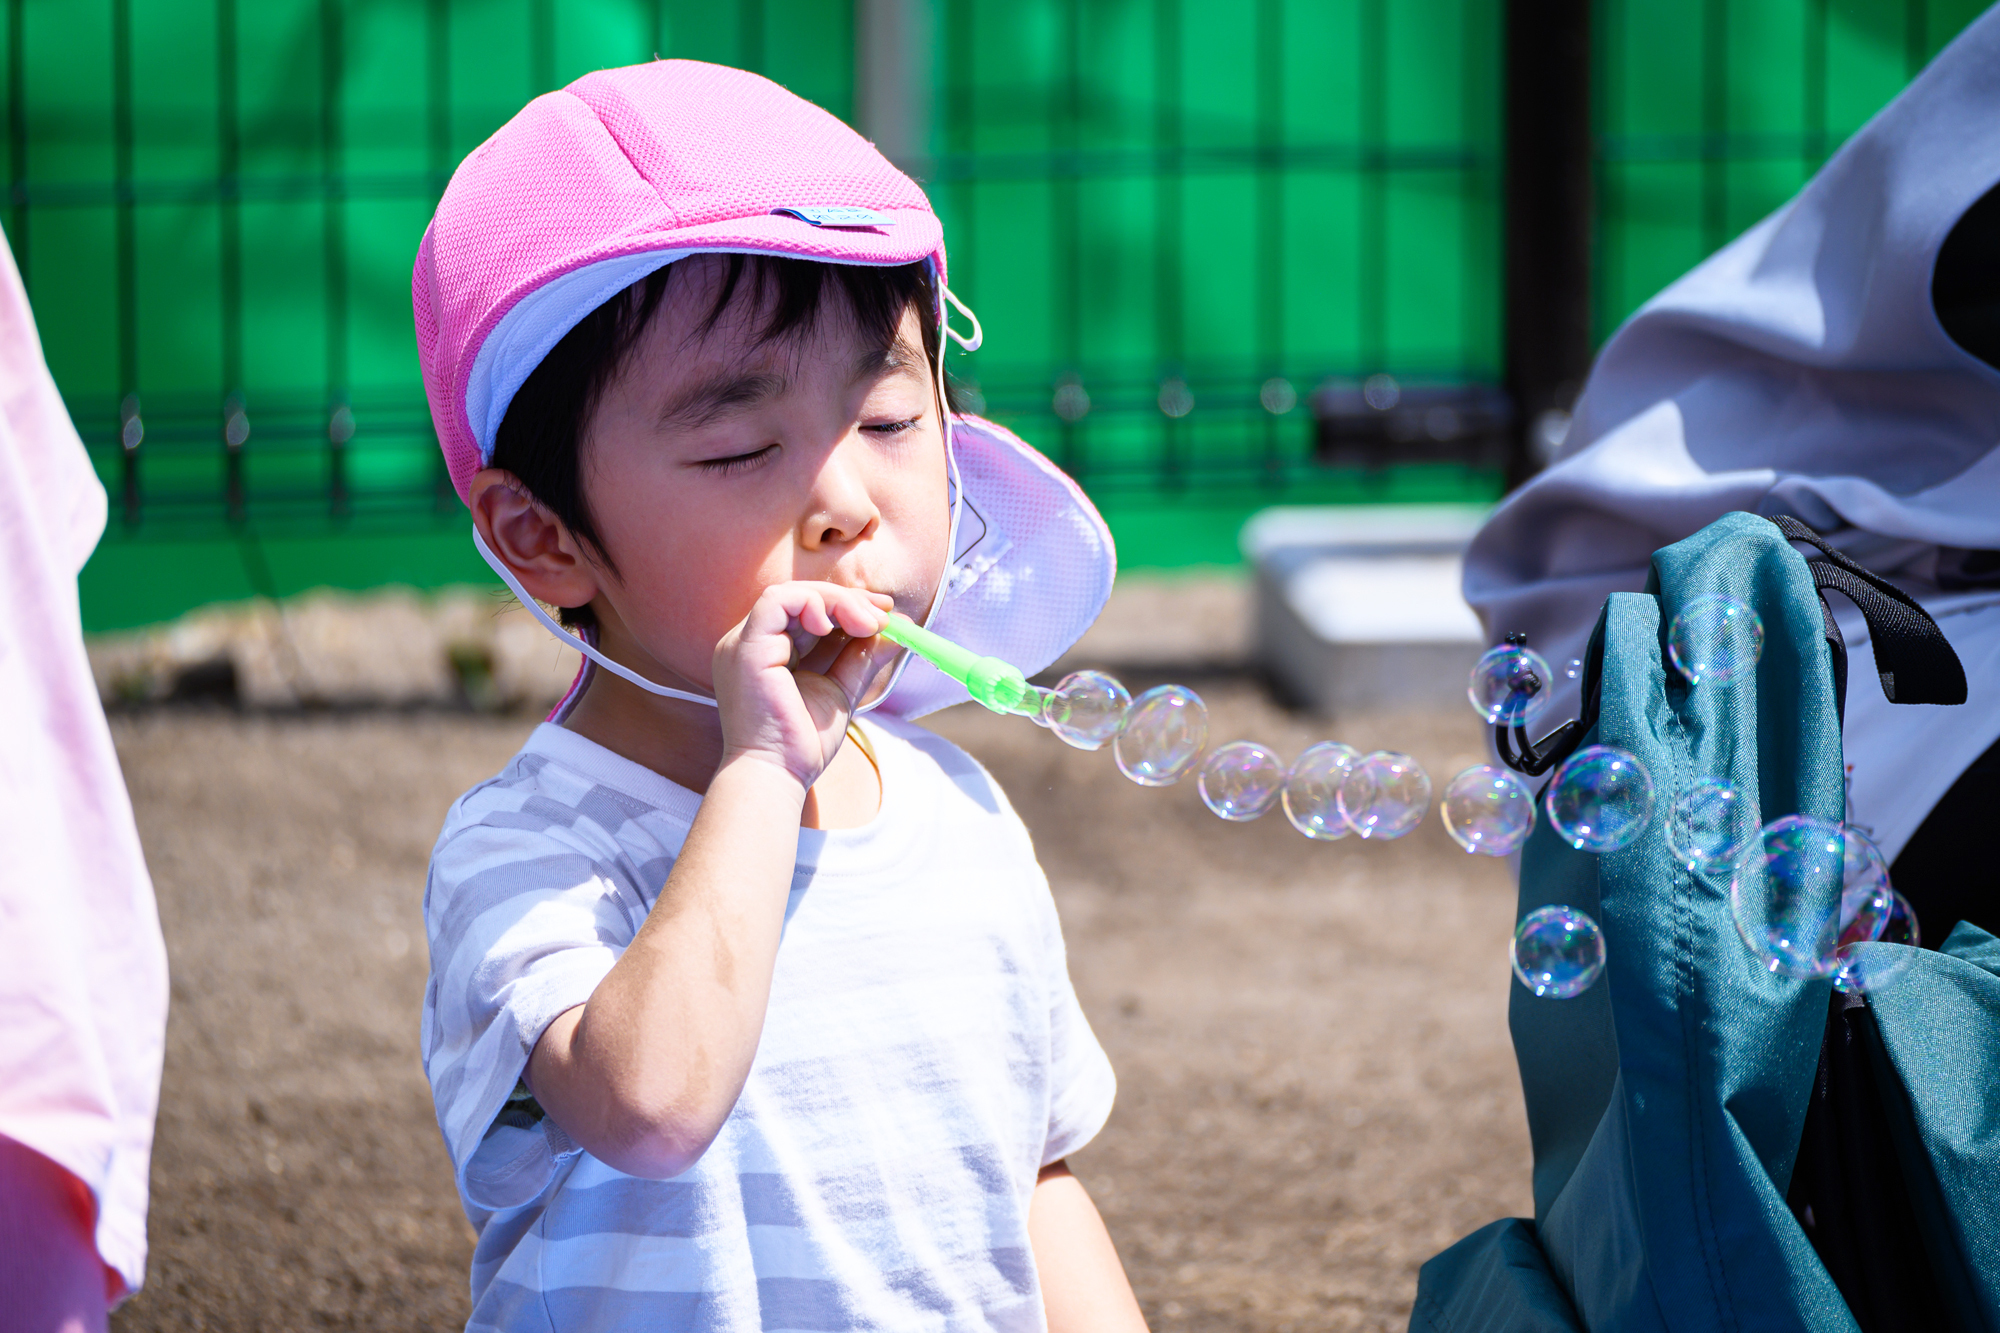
(681, 156)
(1033, 568)
(675, 155)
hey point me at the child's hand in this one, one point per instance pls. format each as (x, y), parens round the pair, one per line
(773, 710)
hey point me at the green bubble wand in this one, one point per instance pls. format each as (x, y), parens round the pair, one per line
(994, 683)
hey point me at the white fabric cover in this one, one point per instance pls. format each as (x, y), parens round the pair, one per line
(1800, 370)
(1033, 565)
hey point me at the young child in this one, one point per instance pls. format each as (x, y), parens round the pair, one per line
(744, 1014)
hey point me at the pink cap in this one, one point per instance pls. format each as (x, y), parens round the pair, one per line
(589, 189)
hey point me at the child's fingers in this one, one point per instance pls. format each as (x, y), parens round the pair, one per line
(859, 613)
(857, 665)
(790, 620)
(829, 606)
(772, 613)
(818, 608)
(784, 606)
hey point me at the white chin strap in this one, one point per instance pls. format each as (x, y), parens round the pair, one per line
(589, 651)
(970, 344)
(952, 479)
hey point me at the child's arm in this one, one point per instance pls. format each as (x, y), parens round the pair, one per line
(643, 1074)
(1084, 1288)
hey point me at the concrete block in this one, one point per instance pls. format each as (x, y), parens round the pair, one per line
(1358, 608)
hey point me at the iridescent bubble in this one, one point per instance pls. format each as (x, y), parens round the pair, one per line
(1871, 911)
(1714, 638)
(1601, 799)
(1710, 825)
(1164, 731)
(1786, 895)
(1488, 811)
(1510, 684)
(1241, 780)
(1312, 790)
(1865, 909)
(1086, 709)
(1384, 795)
(1862, 867)
(1574, 671)
(1557, 952)
(1863, 965)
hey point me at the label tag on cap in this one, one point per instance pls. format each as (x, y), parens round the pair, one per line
(837, 215)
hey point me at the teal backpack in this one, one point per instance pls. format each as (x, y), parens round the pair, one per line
(1716, 1146)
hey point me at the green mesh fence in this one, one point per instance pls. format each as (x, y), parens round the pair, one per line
(1712, 113)
(1177, 218)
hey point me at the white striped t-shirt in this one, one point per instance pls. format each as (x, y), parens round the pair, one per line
(922, 1058)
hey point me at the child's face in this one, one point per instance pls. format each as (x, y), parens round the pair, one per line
(715, 467)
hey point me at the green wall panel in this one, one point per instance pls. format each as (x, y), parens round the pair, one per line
(1711, 115)
(1157, 193)
(1153, 204)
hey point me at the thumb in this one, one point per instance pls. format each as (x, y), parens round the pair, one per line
(858, 664)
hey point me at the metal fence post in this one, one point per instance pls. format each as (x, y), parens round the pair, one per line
(1549, 222)
(892, 80)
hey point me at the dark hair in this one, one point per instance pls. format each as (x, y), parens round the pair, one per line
(540, 439)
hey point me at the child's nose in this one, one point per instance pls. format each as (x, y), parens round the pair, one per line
(841, 510)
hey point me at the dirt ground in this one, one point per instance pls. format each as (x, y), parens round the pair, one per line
(1316, 1088)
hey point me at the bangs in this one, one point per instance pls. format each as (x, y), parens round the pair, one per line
(540, 439)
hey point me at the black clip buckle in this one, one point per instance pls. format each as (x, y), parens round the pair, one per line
(1524, 756)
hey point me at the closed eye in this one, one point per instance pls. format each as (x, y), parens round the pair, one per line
(737, 462)
(894, 428)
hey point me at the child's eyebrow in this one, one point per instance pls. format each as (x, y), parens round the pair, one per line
(886, 360)
(712, 399)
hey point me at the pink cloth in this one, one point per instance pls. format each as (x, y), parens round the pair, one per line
(83, 970)
(51, 1280)
(675, 155)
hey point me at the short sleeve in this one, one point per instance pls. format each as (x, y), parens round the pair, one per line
(524, 922)
(1082, 1087)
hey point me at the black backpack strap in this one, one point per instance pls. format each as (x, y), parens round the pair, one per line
(1915, 661)
(1912, 656)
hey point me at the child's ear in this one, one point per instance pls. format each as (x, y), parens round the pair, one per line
(534, 543)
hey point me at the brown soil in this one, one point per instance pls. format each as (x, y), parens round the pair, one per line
(1316, 1090)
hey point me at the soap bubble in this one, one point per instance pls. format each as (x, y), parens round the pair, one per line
(1312, 790)
(1241, 781)
(1786, 895)
(1086, 709)
(1714, 638)
(1601, 799)
(1816, 899)
(1557, 951)
(1710, 825)
(1865, 909)
(1574, 671)
(1488, 811)
(1862, 867)
(1510, 684)
(1041, 696)
(1871, 912)
(1384, 795)
(1164, 731)
(1860, 964)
